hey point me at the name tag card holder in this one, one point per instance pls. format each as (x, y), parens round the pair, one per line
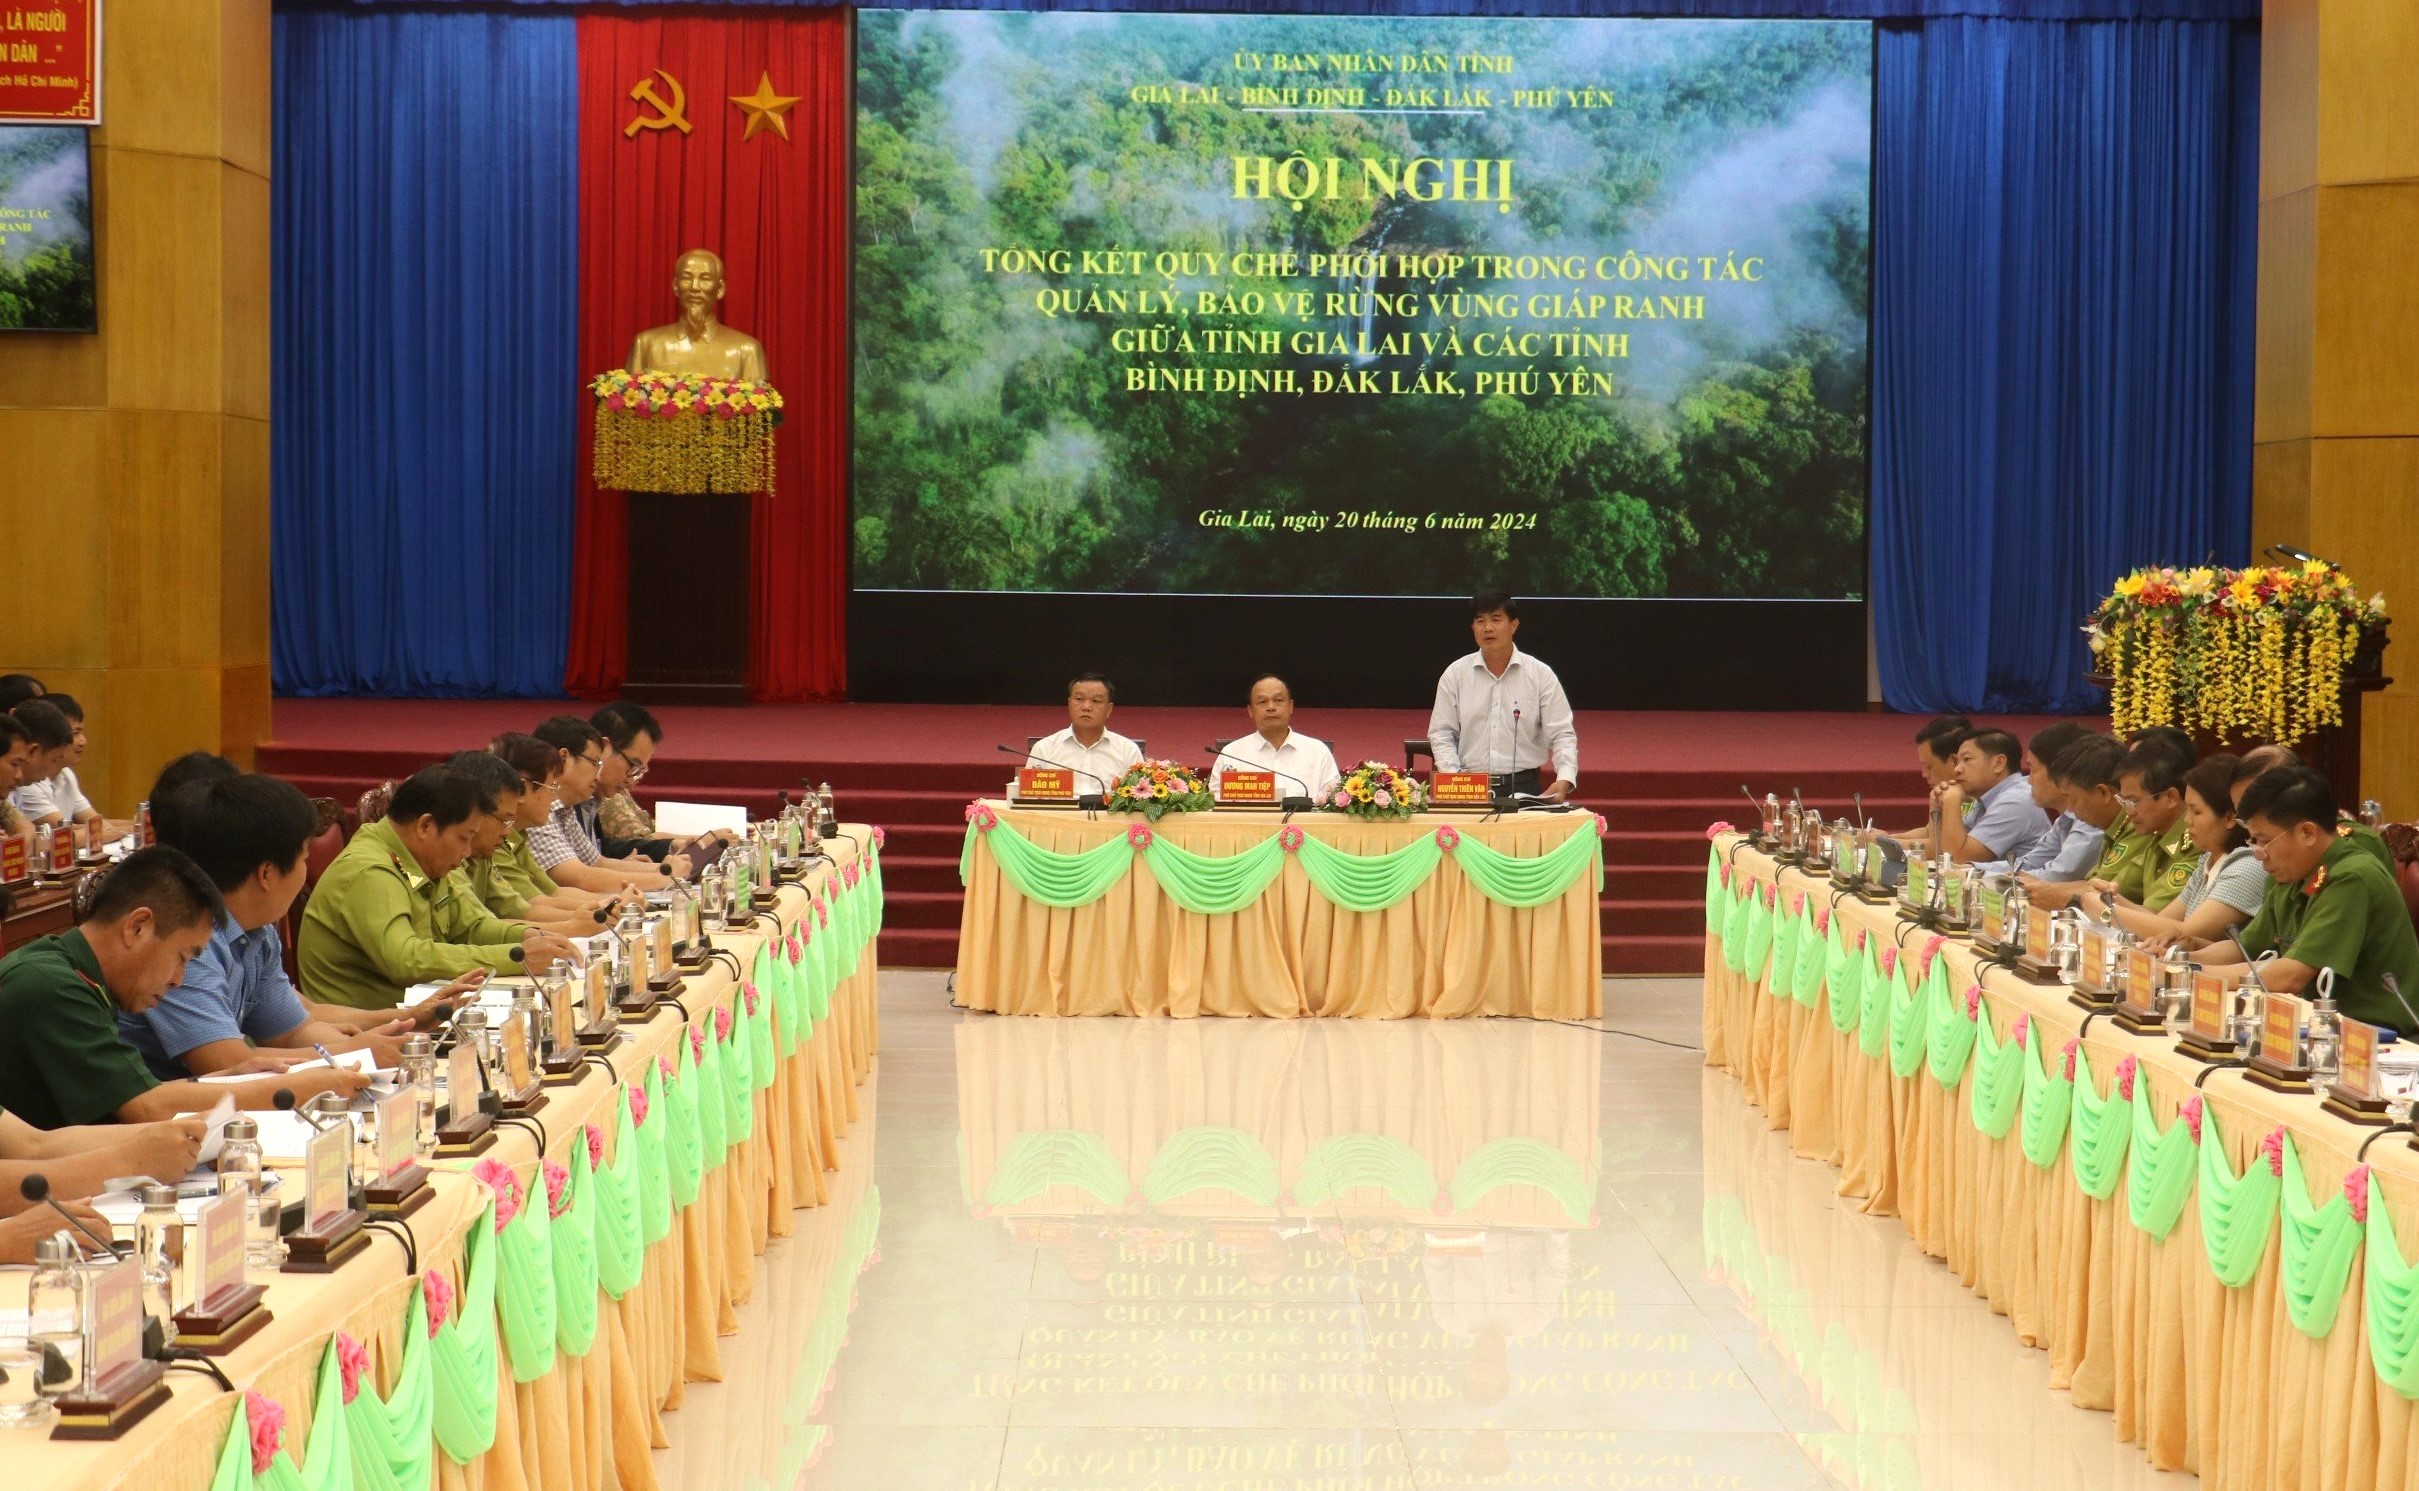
(468, 1130)
(1247, 789)
(401, 1185)
(123, 1386)
(2140, 1009)
(62, 864)
(663, 976)
(639, 1002)
(1915, 894)
(2210, 1035)
(331, 1234)
(2099, 973)
(1873, 877)
(89, 848)
(226, 1311)
(1044, 787)
(2352, 1096)
(2037, 964)
(1990, 926)
(690, 949)
(2278, 1064)
(14, 868)
(1460, 791)
(521, 1091)
(1847, 861)
(600, 1025)
(560, 1066)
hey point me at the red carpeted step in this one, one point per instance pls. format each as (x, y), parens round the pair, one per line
(912, 947)
(1654, 918)
(1671, 957)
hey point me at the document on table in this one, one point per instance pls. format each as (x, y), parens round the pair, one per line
(687, 820)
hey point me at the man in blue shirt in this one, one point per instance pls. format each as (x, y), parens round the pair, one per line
(2007, 822)
(250, 835)
(2070, 847)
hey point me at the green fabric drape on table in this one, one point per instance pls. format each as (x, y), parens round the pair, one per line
(2315, 1248)
(1524, 1162)
(393, 1435)
(1910, 1027)
(1759, 935)
(764, 1053)
(775, 980)
(1065, 881)
(2100, 1131)
(1369, 882)
(525, 1285)
(575, 1270)
(1207, 1157)
(1347, 1162)
(655, 1164)
(1734, 926)
(620, 1219)
(2391, 1298)
(1813, 950)
(1998, 1078)
(1949, 1035)
(2236, 1210)
(823, 966)
(1037, 1161)
(465, 1352)
(706, 1073)
(1215, 884)
(1510, 880)
(327, 1463)
(684, 1146)
(2047, 1098)
(1848, 968)
(1873, 1011)
(2159, 1180)
(1782, 984)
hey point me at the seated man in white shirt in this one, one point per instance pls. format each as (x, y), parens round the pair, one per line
(1303, 767)
(1503, 712)
(50, 792)
(1096, 754)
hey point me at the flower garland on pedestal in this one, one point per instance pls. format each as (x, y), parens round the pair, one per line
(663, 432)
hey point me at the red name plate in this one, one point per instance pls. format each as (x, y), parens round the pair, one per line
(1465, 788)
(12, 859)
(1248, 786)
(1045, 782)
(62, 850)
(2280, 1031)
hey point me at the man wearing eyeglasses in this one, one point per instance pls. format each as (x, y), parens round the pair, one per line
(566, 845)
(2150, 788)
(621, 826)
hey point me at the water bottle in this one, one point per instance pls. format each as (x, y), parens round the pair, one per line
(55, 1314)
(2322, 1037)
(159, 1248)
(240, 1176)
(417, 1069)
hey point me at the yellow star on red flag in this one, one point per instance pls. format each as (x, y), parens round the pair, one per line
(764, 108)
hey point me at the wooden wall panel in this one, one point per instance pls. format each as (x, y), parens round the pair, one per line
(2365, 338)
(2368, 69)
(2285, 316)
(2288, 97)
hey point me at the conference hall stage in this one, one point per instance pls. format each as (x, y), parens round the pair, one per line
(1659, 777)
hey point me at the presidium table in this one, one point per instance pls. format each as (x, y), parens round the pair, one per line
(1239, 912)
(564, 1285)
(2218, 1264)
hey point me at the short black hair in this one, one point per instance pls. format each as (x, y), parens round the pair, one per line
(2212, 778)
(11, 732)
(66, 704)
(2169, 739)
(163, 880)
(1990, 743)
(16, 688)
(1101, 679)
(489, 773)
(44, 724)
(2289, 796)
(232, 826)
(2051, 739)
(438, 792)
(625, 721)
(1941, 733)
(178, 778)
(531, 758)
(568, 732)
(2159, 767)
(1258, 679)
(1488, 602)
(2090, 762)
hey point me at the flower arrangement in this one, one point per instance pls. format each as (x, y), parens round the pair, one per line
(2252, 653)
(1375, 790)
(1157, 788)
(672, 432)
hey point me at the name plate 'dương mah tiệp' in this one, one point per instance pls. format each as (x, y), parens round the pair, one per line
(1240, 788)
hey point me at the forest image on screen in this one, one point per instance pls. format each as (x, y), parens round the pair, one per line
(1320, 305)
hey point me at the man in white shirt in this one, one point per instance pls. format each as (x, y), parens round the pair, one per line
(1302, 765)
(60, 798)
(1503, 712)
(1096, 754)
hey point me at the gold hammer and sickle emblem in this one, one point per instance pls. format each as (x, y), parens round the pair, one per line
(667, 115)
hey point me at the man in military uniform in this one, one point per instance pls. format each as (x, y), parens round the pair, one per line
(64, 1063)
(386, 916)
(2339, 908)
(2150, 790)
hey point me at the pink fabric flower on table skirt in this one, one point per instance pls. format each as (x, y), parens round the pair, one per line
(697, 1043)
(1973, 1001)
(353, 1361)
(1931, 950)
(558, 1188)
(2356, 1191)
(2023, 1030)
(848, 874)
(1797, 903)
(722, 1022)
(1860, 940)
(1139, 835)
(980, 815)
(796, 952)
(1889, 961)
(1289, 838)
(1724, 872)
(2190, 1113)
(747, 991)
(823, 913)
(1604, 825)
(499, 1178)
(265, 1417)
(1822, 920)
(638, 1107)
(2074, 1050)
(663, 1066)
(881, 836)
(1718, 828)
(1448, 838)
(2274, 1148)
(2125, 1075)
(596, 1147)
(437, 1293)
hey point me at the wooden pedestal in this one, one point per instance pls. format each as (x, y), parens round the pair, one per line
(216, 1327)
(688, 598)
(113, 1405)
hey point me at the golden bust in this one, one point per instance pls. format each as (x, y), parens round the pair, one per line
(697, 342)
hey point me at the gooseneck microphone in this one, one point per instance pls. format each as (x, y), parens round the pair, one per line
(35, 1189)
(1085, 800)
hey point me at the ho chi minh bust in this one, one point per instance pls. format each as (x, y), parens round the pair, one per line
(698, 343)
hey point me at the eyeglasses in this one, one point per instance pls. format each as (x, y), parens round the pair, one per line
(587, 760)
(542, 789)
(2128, 803)
(638, 768)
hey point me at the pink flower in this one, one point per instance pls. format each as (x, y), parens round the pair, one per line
(352, 1360)
(1797, 903)
(1382, 798)
(2074, 1049)
(267, 1419)
(2191, 1114)
(1448, 838)
(697, 1043)
(796, 951)
(1822, 919)
(1343, 799)
(1931, 950)
(2125, 1071)
(498, 1177)
(1289, 838)
(558, 1188)
(1725, 873)
(663, 1065)
(881, 836)
(1772, 895)
(616, 401)
(722, 1022)
(1145, 790)
(1604, 825)
(2023, 1029)
(823, 914)
(1717, 829)
(980, 815)
(1973, 1001)
(848, 874)
(638, 1107)
(1139, 835)
(747, 991)
(2274, 1148)
(1860, 940)
(437, 1292)
(2356, 1191)
(1889, 961)
(596, 1147)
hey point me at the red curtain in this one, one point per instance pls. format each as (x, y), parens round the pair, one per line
(776, 210)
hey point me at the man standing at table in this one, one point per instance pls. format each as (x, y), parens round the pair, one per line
(1502, 711)
(1096, 754)
(1300, 763)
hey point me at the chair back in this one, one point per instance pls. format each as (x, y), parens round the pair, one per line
(1414, 749)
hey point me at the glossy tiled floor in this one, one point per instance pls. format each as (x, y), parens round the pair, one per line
(1353, 1256)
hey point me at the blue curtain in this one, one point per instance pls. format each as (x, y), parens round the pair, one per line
(2064, 223)
(423, 269)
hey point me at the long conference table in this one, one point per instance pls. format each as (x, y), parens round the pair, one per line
(2213, 1262)
(568, 1334)
(1238, 912)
